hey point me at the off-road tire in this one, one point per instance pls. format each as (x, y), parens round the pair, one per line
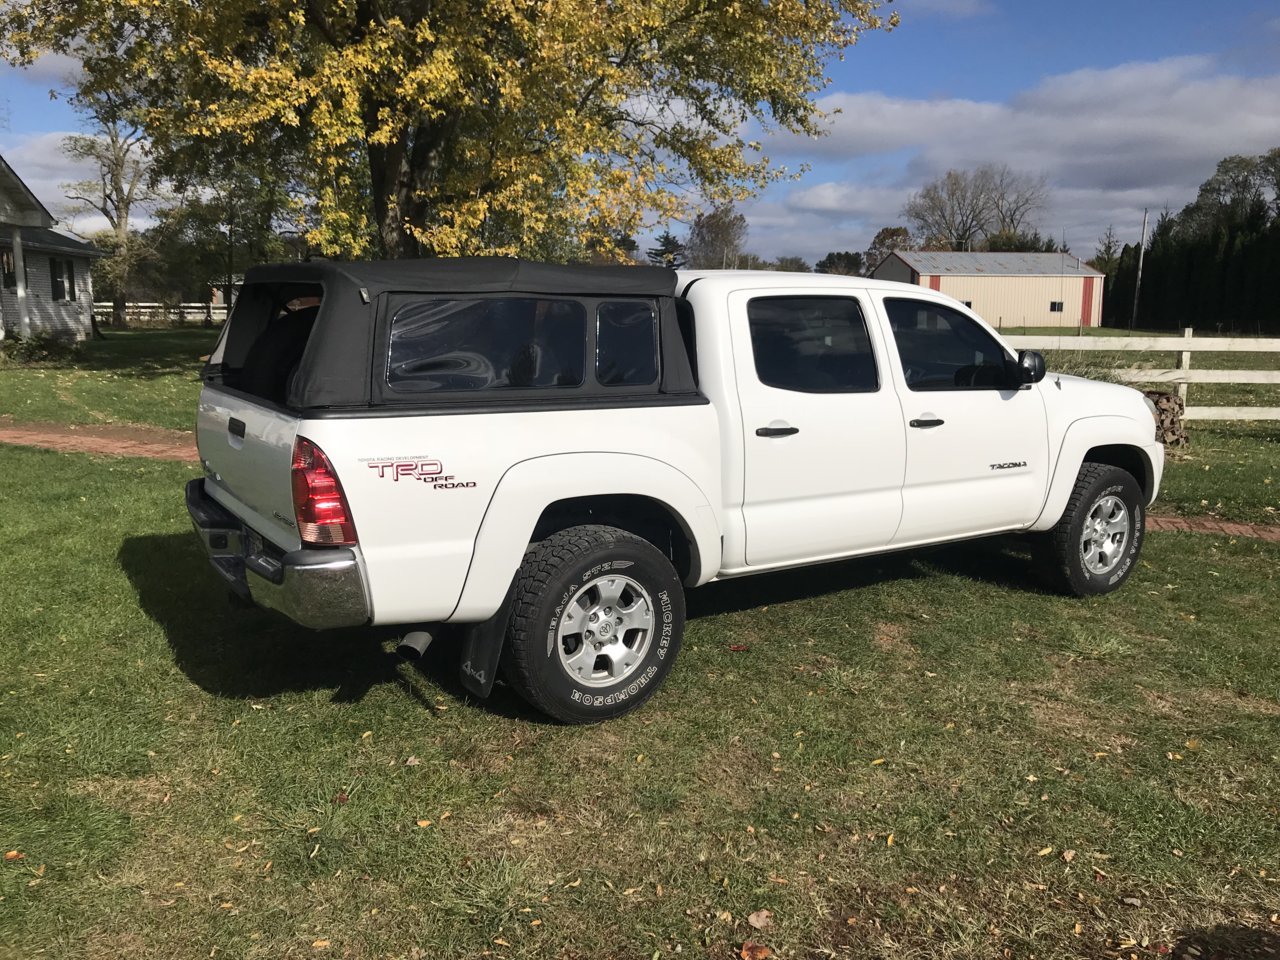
(554, 571)
(1063, 563)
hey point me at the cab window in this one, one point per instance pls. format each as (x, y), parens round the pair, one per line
(942, 349)
(812, 345)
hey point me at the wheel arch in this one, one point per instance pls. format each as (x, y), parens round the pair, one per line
(1107, 439)
(539, 497)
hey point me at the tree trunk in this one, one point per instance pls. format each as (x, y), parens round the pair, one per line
(389, 183)
(118, 310)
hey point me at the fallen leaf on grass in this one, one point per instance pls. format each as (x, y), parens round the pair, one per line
(424, 823)
(761, 919)
(412, 762)
(1068, 855)
(889, 841)
(320, 945)
(755, 951)
(876, 762)
(13, 855)
(1131, 901)
(1044, 851)
(738, 648)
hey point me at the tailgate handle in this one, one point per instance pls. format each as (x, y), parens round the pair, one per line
(235, 427)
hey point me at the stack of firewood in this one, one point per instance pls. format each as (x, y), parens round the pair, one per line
(1170, 430)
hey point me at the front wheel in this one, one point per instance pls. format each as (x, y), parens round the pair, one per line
(597, 624)
(1095, 545)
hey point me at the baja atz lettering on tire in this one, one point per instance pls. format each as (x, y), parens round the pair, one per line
(1135, 543)
(609, 699)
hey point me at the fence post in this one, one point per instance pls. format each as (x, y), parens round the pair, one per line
(1184, 362)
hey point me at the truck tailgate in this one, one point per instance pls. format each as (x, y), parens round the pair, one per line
(247, 451)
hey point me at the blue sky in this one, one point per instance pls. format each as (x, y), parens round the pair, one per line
(1121, 105)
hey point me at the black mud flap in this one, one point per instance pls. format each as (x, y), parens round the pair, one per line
(482, 648)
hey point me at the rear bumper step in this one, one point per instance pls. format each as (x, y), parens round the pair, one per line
(315, 588)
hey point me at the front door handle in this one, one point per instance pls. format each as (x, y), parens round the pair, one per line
(927, 423)
(776, 431)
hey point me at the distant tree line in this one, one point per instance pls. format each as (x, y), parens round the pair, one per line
(1213, 265)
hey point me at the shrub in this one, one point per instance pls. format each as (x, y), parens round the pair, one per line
(38, 349)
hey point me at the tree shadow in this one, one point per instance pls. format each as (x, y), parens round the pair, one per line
(1226, 942)
(141, 354)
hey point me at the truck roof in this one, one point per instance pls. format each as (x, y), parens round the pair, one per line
(471, 275)
(757, 279)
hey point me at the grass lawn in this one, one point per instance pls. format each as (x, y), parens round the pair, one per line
(915, 756)
(133, 376)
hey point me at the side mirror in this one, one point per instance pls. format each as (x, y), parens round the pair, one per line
(1030, 366)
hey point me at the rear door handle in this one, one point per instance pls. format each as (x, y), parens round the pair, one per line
(927, 423)
(776, 431)
(235, 427)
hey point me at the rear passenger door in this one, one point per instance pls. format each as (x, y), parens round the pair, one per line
(823, 438)
(977, 445)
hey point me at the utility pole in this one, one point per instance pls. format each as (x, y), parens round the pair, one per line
(1137, 287)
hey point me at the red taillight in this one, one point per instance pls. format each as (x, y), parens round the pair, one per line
(324, 519)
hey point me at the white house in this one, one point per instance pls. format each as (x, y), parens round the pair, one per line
(44, 276)
(1007, 289)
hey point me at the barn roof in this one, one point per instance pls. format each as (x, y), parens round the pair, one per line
(996, 264)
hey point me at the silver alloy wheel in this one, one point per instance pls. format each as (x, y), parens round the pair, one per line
(1105, 535)
(605, 630)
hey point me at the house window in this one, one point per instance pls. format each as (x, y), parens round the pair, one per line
(1055, 306)
(62, 274)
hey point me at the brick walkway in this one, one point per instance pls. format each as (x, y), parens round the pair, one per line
(1221, 528)
(105, 440)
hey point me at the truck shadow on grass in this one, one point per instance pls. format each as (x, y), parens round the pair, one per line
(998, 561)
(241, 652)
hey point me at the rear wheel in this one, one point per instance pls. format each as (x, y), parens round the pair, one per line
(1095, 545)
(598, 620)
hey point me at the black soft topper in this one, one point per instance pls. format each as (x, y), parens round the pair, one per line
(337, 367)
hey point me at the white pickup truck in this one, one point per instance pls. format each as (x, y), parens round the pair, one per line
(550, 455)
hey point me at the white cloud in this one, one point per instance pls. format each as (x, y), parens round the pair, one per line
(1110, 141)
(38, 159)
(54, 70)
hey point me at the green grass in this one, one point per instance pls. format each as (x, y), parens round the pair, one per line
(1229, 470)
(135, 376)
(188, 779)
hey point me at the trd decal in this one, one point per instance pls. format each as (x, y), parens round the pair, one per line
(418, 468)
(425, 470)
(1011, 465)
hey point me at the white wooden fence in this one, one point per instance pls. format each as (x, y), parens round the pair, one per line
(1182, 374)
(164, 314)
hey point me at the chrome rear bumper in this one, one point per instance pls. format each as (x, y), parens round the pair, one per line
(318, 588)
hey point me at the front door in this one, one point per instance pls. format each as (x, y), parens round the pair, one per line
(977, 447)
(822, 427)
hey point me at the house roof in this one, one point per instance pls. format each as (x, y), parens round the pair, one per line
(18, 205)
(50, 241)
(996, 264)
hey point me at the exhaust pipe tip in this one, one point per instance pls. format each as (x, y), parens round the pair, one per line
(413, 645)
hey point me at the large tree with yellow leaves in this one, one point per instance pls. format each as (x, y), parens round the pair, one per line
(465, 126)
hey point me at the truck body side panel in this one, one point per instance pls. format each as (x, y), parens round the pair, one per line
(420, 488)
